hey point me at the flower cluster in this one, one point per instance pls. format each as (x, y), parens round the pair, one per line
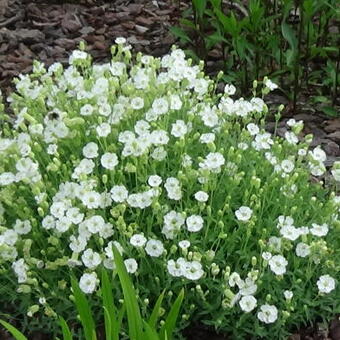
(185, 183)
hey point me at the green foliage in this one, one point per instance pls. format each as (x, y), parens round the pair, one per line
(282, 39)
(138, 328)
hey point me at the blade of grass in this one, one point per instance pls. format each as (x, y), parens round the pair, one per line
(170, 322)
(67, 335)
(84, 311)
(16, 333)
(110, 311)
(130, 300)
(155, 312)
(149, 332)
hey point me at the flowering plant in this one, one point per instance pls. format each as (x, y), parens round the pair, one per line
(186, 183)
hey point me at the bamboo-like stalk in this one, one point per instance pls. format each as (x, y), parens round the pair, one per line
(297, 60)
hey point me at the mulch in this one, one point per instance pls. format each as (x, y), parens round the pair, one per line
(49, 31)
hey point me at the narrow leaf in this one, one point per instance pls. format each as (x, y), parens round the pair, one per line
(84, 311)
(170, 322)
(67, 335)
(155, 312)
(110, 311)
(150, 332)
(16, 333)
(130, 300)
(178, 32)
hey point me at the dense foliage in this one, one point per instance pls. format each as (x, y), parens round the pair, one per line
(293, 42)
(186, 183)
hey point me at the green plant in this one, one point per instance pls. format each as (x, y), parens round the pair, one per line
(142, 154)
(281, 39)
(138, 328)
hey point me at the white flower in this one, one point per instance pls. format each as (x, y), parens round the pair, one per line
(318, 154)
(193, 270)
(269, 84)
(131, 265)
(91, 199)
(336, 174)
(229, 89)
(288, 294)
(268, 313)
(319, 230)
(88, 282)
(207, 138)
(194, 223)
(243, 213)
(302, 249)
(154, 248)
(86, 110)
(290, 232)
(234, 279)
(278, 264)
(103, 130)
(287, 166)
(7, 178)
(137, 103)
(90, 150)
(155, 181)
(248, 303)
(266, 255)
(253, 129)
(176, 268)
(184, 244)
(201, 196)
(91, 259)
(326, 284)
(138, 240)
(213, 161)
(120, 40)
(109, 160)
(179, 129)
(22, 227)
(119, 193)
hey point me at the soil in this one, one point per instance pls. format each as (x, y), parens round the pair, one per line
(49, 31)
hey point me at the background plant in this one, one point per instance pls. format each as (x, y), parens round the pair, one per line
(294, 42)
(141, 153)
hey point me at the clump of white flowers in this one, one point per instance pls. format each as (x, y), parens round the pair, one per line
(186, 184)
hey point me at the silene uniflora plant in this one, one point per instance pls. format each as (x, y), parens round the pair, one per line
(142, 154)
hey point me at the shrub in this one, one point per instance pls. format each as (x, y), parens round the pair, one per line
(186, 183)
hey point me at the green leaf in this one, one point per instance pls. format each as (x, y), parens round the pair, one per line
(320, 99)
(67, 335)
(330, 111)
(16, 333)
(289, 35)
(179, 33)
(170, 322)
(150, 332)
(112, 326)
(84, 311)
(200, 6)
(188, 23)
(155, 312)
(130, 300)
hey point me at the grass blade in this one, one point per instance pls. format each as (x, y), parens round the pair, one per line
(110, 311)
(84, 311)
(149, 331)
(170, 322)
(67, 335)
(130, 300)
(155, 312)
(16, 333)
